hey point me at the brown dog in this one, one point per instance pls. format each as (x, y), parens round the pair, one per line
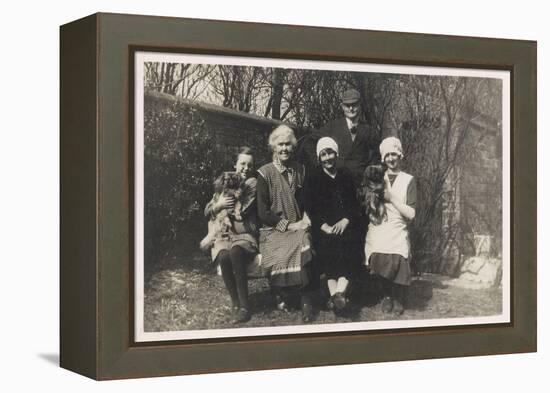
(373, 184)
(227, 184)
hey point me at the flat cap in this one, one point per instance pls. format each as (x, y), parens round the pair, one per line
(350, 96)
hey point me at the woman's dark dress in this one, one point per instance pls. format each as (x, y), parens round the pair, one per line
(328, 200)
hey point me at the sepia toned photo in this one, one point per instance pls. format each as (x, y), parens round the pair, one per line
(278, 196)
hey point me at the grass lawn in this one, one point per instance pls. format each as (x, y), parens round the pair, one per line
(184, 293)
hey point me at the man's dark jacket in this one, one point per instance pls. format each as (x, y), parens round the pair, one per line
(355, 155)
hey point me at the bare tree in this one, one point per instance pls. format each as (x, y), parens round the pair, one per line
(436, 114)
(185, 80)
(276, 77)
(239, 87)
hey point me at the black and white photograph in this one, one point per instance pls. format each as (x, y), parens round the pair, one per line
(277, 196)
(136, 142)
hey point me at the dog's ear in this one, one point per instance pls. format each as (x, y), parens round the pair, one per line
(366, 174)
(219, 183)
(379, 172)
(373, 173)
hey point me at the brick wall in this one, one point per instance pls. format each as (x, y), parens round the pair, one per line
(231, 128)
(475, 203)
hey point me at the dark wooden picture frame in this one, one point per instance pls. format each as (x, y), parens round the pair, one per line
(97, 196)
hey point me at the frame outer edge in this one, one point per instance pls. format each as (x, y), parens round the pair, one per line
(524, 188)
(118, 358)
(78, 190)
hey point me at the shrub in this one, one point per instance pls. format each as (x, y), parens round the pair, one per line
(177, 175)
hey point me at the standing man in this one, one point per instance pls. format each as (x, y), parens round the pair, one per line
(357, 144)
(358, 148)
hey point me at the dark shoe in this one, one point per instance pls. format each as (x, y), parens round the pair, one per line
(387, 305)
(339, 301)
(398, 308)
(242, 315)
(307, 312)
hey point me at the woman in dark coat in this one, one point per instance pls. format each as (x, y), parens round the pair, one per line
(334, 211)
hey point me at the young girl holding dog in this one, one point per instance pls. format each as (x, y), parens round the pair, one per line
(236, 246)
(387, 246)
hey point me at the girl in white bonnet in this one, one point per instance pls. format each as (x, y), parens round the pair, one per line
(387, 246)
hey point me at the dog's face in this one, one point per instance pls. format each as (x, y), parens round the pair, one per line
(231, 181)
(373, 177)
(373, 183)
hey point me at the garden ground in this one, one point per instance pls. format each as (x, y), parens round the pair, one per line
(185, 293)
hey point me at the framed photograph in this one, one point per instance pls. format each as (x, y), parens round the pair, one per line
(240, 196)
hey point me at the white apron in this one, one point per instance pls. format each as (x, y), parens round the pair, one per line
(391, 235)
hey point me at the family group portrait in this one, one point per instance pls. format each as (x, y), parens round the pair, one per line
(283, 196)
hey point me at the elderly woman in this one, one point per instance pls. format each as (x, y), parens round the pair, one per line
(334, 211)
(285, 242)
